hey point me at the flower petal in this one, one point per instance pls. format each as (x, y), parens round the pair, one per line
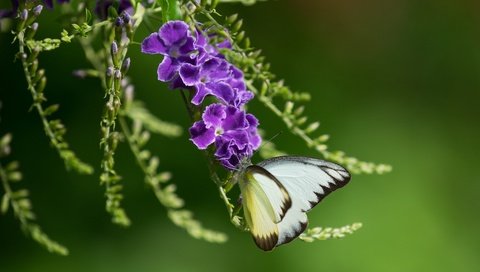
(235, 119)
(177, 83)
(228, 153)
(215, 69)
(201, 136)
(190, 74)
(153, 45)
(174, 33)
(225, 44)
(214, 115)
(223, 92)
(254, 139)
(238, 137)
(242, 97)
(201, 92)
(167, 69)
(187, 48)
(49, 3)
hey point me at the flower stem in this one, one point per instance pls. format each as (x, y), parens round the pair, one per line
(55, 137)
(213, 173)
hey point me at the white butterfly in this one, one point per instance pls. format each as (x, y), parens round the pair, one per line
(277, 193)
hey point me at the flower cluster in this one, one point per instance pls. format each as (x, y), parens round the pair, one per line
(102, 6)
(16, 4)
(4, 13)
(192, 62)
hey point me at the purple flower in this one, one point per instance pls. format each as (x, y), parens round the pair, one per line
(208, 78)
(173, 41)
(4, 13)
(102, 6)
(216, 77)
(190, 61)
(49, 3)
(233, 131)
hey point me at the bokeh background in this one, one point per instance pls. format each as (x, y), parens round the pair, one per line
(393, 81)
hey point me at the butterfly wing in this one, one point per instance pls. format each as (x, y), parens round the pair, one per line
(307, 181)
(265, 203)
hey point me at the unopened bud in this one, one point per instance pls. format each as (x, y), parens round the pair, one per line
(114, 53)
(40, 74)
(24, 15)
(232, 18)
(127, 19)
(33, 55)
(119, 22)
(34, 67)
(117, 74)
(125, 65)
(79, 74)
(32, 31)
(117, 80)
(114, 48)
(41, 85)
(37, 10)
(109, 76)
(129, 91)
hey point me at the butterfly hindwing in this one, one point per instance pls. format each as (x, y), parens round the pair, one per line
(307, 181)
(260, 215)
(274, 190)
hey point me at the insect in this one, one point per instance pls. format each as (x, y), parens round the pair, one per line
(277, 193)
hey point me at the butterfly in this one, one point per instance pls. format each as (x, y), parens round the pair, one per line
(277, 193)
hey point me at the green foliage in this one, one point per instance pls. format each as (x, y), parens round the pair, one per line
(170, 10)
(165, 193)
(318, 233)
(37, 80)
(20, 203)
(46, 44)
(110, 65)
(245, 2)
(116, 49)
(136, 111)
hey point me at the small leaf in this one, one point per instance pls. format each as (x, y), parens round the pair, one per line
(5, 203)
(88, 15)
(12, 166)
(140, 115)
(6, 139)
(170, 10)
(14, 176)
(312, 127)
(20, 194)
(51, 109)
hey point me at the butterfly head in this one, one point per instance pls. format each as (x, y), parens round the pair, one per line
(239, 171)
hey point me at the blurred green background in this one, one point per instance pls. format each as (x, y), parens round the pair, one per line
(393, 81)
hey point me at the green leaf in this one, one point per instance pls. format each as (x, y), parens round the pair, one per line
(137, 112)
(170, 10)
(88, 16)
(51, 109)
(6, 139)
(5, 203)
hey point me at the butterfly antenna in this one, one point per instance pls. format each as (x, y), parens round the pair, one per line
(267, 141)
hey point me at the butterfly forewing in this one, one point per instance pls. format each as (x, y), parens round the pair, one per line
(307, 181)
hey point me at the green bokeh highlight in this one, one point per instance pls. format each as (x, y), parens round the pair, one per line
(395, 82)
